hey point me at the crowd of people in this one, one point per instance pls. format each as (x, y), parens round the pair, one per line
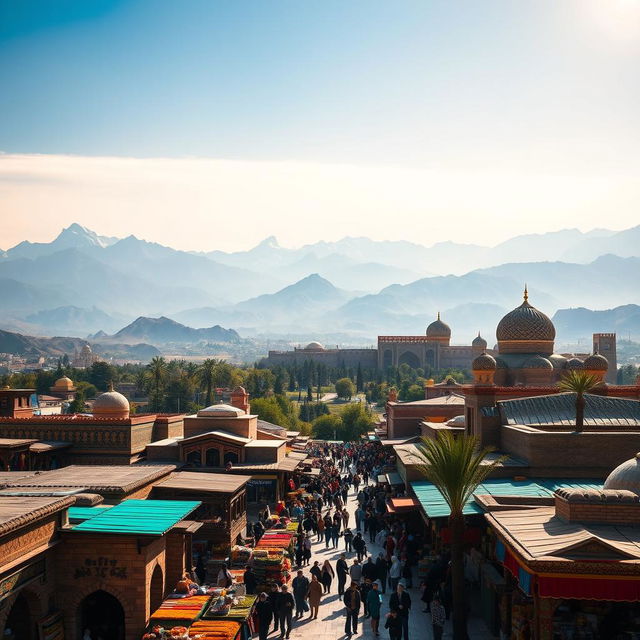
(351, 469)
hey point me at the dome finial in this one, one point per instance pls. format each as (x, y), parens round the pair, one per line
(111, 385)
(526, 293)
(438, 315)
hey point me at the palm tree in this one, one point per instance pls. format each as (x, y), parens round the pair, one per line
(208, 373)
(456, 467)
(579, 382)
(157, 372)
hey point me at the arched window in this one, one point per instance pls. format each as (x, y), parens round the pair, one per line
(194, 458)
(231, 457)
(212, 458)
(410, 358)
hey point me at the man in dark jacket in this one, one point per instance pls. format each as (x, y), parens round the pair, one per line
(352, 602)
(342, 569)
(382, 568)
(274, 600)
(265, 613)
(400, 600)
(250, 580)
(369, 570)
(285, 612)
(300, 587)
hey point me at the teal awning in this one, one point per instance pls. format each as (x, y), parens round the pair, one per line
(79, 514)
(139, 517)
(435, 506)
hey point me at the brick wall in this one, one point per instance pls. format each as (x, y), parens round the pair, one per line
(602, 512)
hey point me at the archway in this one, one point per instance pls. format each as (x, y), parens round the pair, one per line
(103, 615)
(194, 458)
(212, 458)
(409, 358)
(19, 620)
(231, 457)
(156, 589)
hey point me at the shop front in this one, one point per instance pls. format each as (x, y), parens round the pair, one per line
(262, 489)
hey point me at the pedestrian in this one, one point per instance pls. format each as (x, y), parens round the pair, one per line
(438, 618)
(314, 594)
(369, 570)
(285, 612)
(400, 600)
(374, 602)
(342, 569)
(395, 573)
(394, 624)
(345, 518)
(265, 613)
(352, 603)
(335, 535)
(306, 550)
(327, 576)
(300, 586)
(316, 570)
(359, 546)
(320, 530)
(382, 569)
(250, 580)
(348, 540)
(274, 600)
(355, 572)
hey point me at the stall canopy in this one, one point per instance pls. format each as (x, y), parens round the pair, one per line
(435, 506)
(394, 478)
(139, 517)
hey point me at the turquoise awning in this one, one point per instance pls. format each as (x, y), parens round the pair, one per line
(435, 506)
(139, 517)
(79, 514)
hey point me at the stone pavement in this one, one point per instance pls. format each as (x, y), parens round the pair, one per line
(331, 617)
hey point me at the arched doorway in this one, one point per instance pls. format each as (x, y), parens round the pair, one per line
(230, 456)
(103, 615)
(409, 358)
(19, 620)
(212, 458)
(194, 458)
(156, 589)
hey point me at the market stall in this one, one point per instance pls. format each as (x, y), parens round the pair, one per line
(240, 609)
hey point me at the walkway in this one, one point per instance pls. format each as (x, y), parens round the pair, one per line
(331, 618)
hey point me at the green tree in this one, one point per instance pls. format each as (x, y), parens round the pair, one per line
(101, 375)
(345, 388)
(578, 382)
(359, 380)
(456, 467)
(328, 427)
(207, 375)
(77, 405)
(157, 375)
(259, 382)
(357, 421)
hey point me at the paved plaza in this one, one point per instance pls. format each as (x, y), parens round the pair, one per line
(331, 617)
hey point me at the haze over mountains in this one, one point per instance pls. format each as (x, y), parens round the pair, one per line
(82, 282)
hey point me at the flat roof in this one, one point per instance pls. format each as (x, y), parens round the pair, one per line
(449, 399)
(205, 482)
(219, 433)
(108, 478)
(435, 506)
(138, 517)
(265, 444)
(16, 512)
(409, 454)
(10, 443)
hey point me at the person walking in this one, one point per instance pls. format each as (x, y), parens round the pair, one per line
(374, 602)
(438, 618)
(300, 586)
(355, 572)
(314, 594)
(306, 550)
(285, 612)
(348, 540)
(352, 603)
(327, 576)
(335, 535)
(382, 569)
(400, 600)
(369, 570)
(342, 569)
(394, 624)
(265, 613)
(395, 572)
(274, 600)
(250, 580)
(359, 546)
(316, 570)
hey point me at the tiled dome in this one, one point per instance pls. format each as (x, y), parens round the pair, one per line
(438, 329)
(484, 362)
(596, 362)
(479, 342)
(625, 476)
(574, 363)
(537, 362)
(525, 323)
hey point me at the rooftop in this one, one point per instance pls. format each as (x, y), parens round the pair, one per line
(138, 517)
(205, 482)
(16, 512)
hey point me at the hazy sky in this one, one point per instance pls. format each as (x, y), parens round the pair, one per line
(210, 124)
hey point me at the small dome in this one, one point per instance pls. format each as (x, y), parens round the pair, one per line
(525, 323)
(574, 363)
(64, 384)
(596, 362)
(537, 362)
(221, 411)
(111, 405)
(625, 476)
(314, 346)
(438, 329)
(479, 342)
(484, 362)
(457, 421)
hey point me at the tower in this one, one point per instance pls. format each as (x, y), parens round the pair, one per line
(605, 344)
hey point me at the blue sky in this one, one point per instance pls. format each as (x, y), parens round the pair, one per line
(531, 88)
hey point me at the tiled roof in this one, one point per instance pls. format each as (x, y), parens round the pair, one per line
(560, 409)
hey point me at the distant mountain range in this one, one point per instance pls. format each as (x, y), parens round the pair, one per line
(82, 283)
(163, 330)
(572, 324)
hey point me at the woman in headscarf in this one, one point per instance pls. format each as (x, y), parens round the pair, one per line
(327, 576)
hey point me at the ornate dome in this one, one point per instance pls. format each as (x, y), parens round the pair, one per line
(625, 476)
(525, 329)
(596, 362)
(64, 384)
(221, 411)
(574, 363)
(111, 405)
(314, 346)
(484, 362)
(537, 362)
(479, 342)
(438, 329)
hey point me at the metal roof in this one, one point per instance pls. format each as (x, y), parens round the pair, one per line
(80, 514)
(435, 506)
(560, 409)
(139, 517)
